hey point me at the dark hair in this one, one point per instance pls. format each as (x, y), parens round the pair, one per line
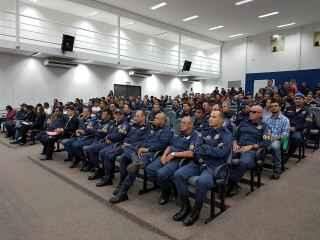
(9, 108)
(273, 100)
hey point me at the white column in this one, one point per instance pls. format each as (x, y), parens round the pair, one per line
(17, 24)
(179, 53)
(118, 43)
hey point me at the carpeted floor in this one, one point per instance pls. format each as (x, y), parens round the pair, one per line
(36, 204)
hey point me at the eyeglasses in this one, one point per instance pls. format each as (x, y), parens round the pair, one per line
(254, 112)
(274, 106)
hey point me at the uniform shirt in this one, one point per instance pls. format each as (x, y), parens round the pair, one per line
(181, 143)
(297, 118)
(249, 133)
(136, 135)
(214, 148)
(103, 128)
(158, 139)
(118, 132)
(278, 126)
(201, 125)
(241, 116)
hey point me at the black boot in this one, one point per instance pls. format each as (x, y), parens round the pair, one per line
(120, 196)
(193, 217)
(75, 163)
(165, 196)
(184, 210)
(86, 168)
(233, 189)
(105, 181)
(96, 175)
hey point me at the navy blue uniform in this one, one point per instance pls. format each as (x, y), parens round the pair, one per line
(163, 174)
(298, 121)
(248, 133)
(116, 133)
(213, 151)
(73, 146)
(134, 138)
(156, 140)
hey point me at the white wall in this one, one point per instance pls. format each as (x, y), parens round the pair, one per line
(299, 54)
(26, 79)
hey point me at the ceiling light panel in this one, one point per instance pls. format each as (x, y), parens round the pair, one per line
(190, 18)
(160, 5)
(215, 28)
(268, 15)
(236, 35)
(243, 2)
(286, 25)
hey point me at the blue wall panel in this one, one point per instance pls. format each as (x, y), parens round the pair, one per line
(312, 77)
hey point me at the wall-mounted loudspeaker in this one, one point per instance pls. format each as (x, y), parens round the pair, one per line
(67, 43)
(186, 66)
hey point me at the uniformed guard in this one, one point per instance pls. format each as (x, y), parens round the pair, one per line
(200, 123)
(298, 117)
(111, 142)
(157, 139)
(250, 135)
(84, 136)
(104, 126)
(213, 151)
(163, 168)
(135, 137)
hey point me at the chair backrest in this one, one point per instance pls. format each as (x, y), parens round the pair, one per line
(316, 112)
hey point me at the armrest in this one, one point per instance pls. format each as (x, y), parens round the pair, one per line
(260, 155)
(221, 174)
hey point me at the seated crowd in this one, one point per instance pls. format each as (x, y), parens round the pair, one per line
(172, 139)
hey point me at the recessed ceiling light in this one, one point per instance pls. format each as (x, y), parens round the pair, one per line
(95, 13)
(236, 35)
(215, 28)
(160, 5)
(286, 25)
(243, 2)
(36, 54)
(34, 1)
(190, 18)
(268, 14)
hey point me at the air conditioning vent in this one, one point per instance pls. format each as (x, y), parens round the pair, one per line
(59, 63)
(139, 74)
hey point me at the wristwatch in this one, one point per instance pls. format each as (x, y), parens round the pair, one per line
(173, 154)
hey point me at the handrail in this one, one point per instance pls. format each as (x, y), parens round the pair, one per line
(100, 40)
(63, 24)
(148, 60)
(37, 26)
(77, 40)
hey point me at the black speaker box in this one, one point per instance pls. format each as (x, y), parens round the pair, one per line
(186, 66)
(67, 43)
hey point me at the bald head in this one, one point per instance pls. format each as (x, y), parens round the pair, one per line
(186, 125)
(256, 112)
(160, 120)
